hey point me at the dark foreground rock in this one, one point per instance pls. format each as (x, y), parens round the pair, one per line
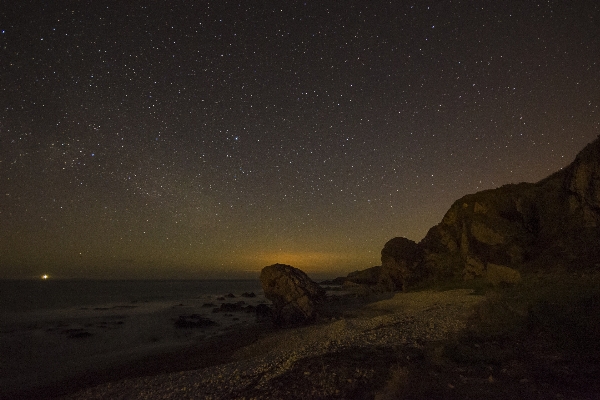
(294, 295)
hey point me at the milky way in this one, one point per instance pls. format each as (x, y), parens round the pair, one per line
(201, 139)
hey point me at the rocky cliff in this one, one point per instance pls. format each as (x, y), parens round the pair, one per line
(554, 223)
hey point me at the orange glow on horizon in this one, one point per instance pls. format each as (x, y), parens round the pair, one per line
(306, 261)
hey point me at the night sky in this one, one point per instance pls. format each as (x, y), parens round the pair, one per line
(192, 139)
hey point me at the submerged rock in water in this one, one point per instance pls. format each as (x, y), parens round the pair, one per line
(240, 306)
(294, 295)
(193, 321)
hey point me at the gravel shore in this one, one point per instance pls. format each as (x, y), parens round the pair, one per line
(269, 367)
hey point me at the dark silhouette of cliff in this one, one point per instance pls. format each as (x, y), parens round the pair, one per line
(498, 234)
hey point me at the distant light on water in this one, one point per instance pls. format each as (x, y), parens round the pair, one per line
(44, 277)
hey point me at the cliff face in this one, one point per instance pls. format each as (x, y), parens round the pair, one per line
(582, 184)
(527, 225)
(554, 223)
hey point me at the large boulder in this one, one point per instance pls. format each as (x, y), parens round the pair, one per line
(294, 295)
(401, 264)
(401, 260)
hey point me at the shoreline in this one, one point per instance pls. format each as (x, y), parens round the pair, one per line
(193, 349)
(285, 363)
(47, 353)
(206, 353)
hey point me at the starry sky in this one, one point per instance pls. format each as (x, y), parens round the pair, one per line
(192, 139)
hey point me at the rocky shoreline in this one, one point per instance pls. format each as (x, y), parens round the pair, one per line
(385, 330)
(49, 353)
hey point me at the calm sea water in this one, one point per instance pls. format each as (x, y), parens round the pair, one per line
(29, 295)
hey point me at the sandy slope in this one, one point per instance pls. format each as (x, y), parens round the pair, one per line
(406, 320)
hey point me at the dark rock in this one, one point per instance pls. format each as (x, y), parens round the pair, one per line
(231, 307)
(193, 321)
(582, 183)
(334, 282)
(401, 261)
(248, 295)
(221, 298)
(76, 333)
(208, 305)
(497, 226)
(369, 276)
(230, 295)
(364, 282)
(294, 295)
(263, 313)
(494, 234)
(499, 275)
(524, 226)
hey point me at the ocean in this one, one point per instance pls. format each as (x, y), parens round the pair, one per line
(53, 330)
(36, 295)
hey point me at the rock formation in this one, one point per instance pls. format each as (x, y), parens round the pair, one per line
(294, 295)
(400, 261)
(369, 276)
(523, 226)
(496, 233)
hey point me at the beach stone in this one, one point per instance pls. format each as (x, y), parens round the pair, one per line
(294, 295)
